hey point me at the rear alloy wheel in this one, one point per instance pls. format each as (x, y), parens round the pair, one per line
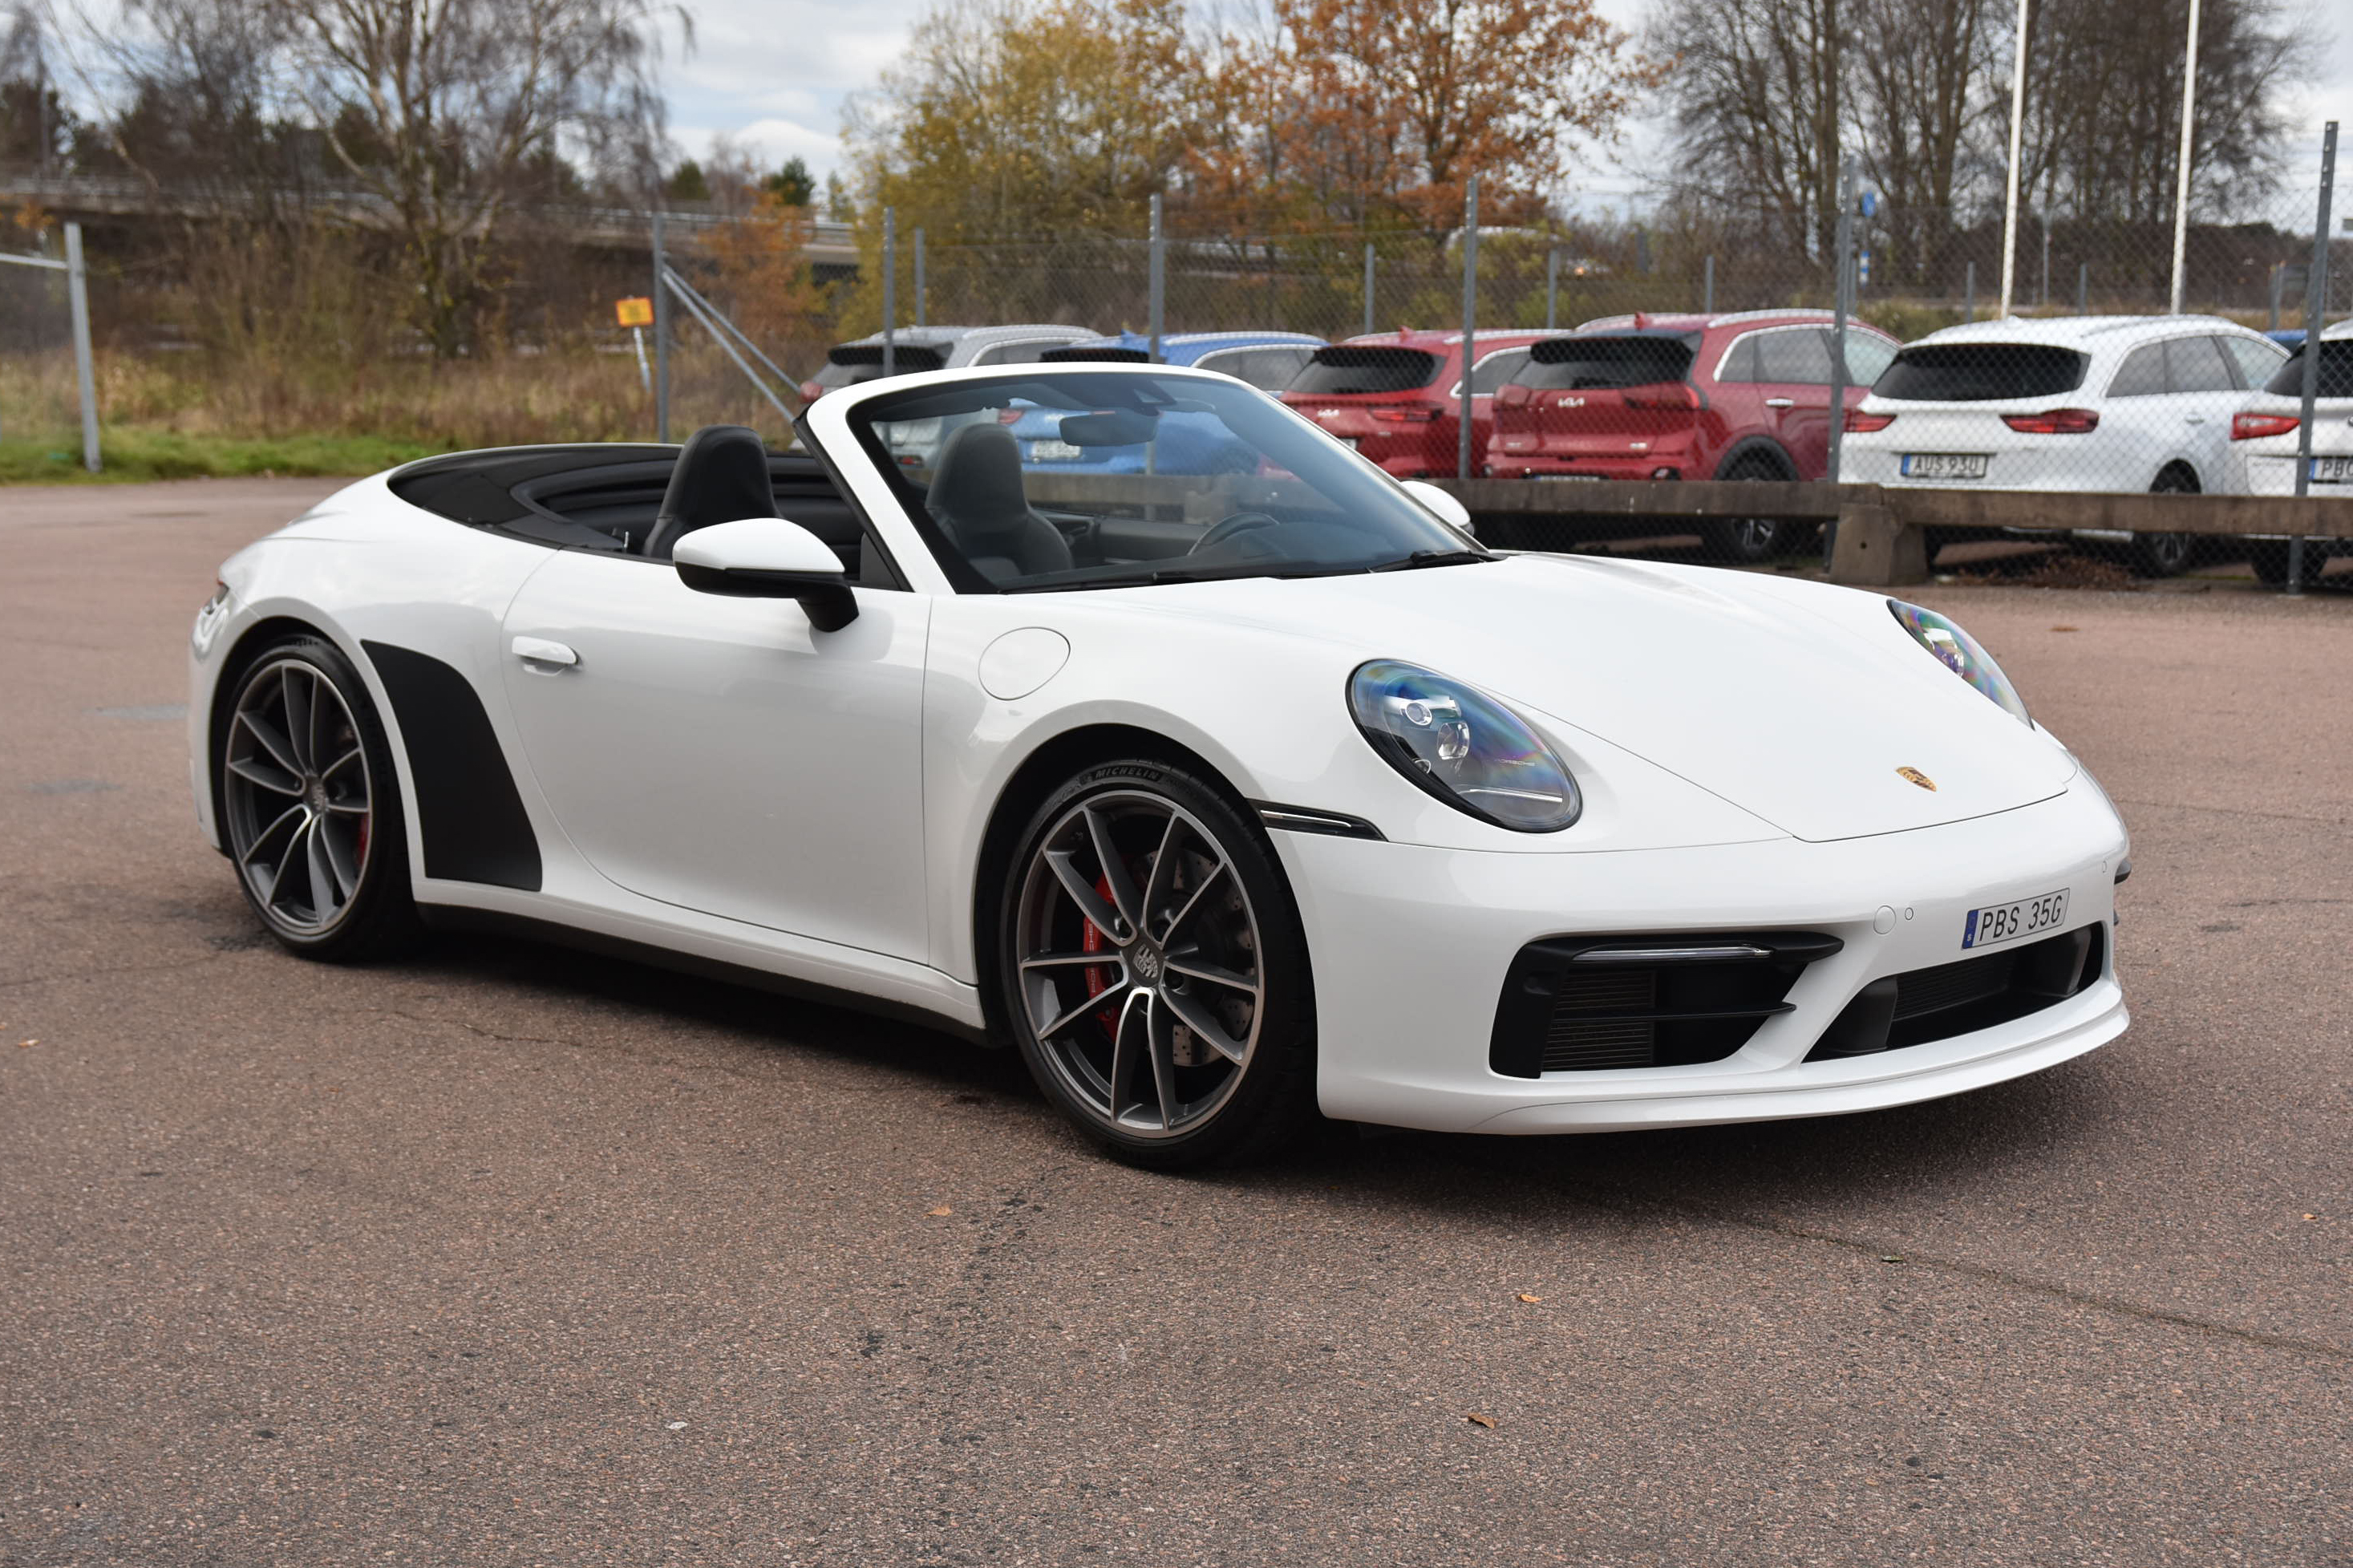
(1746, 541)
(2164, 555)
(311, 807)
(1154, 971)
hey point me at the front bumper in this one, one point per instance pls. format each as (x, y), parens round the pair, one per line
(1410, 946)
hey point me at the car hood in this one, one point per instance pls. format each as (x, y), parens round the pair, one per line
(1800, 703)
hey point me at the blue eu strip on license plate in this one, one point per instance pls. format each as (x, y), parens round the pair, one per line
(2006, 922)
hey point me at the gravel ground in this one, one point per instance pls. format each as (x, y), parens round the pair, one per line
(506, 1256)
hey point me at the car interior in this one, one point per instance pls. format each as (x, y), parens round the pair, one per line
(640, 501)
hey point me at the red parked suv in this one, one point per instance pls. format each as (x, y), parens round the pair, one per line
(1683, 397)
(1397, 396)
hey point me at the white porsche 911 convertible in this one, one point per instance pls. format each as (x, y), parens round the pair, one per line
(1227, 798)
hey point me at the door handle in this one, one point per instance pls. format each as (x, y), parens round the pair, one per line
(540, 650)
(1781, 402)
(2193, 418)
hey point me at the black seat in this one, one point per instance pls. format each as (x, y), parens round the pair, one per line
(722, 476)
(977, 499)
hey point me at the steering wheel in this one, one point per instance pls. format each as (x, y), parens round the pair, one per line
(1229, 528)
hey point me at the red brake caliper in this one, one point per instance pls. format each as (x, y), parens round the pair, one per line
(1093, 940)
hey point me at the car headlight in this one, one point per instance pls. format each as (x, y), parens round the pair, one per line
(1962, 654)
(1464, 747)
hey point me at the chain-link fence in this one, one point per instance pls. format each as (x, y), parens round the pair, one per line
(1705, 347)
(45, 375)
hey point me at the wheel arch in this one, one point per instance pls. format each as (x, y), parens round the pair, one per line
(1754, 448)
(1038, 776)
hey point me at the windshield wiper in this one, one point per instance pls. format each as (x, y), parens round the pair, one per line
(1153, 578)
(1420, 558)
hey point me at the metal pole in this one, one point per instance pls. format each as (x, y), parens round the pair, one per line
(2278, 269)
(1707, 288)
(889, 292)
(1368, 287)
(2315, 297)
(661, 336)
(2084, 288)
(77, 305)
(2017, 136)
(1552, 288)
(1971, 294)
(2043, 298)
(919, 278)
(1844, 296)
(1470, 321)
(2181, 174)
(1157, 279)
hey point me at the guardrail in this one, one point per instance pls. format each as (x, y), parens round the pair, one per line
(1881, 533)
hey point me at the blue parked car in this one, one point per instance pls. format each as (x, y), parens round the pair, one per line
(1185, 443)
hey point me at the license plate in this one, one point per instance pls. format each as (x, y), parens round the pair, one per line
(1944, 466)
(1055, 451)
(2006, 922)
(1556, 478)
(2332, 470)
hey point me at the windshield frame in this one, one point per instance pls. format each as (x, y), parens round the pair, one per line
(844, 427)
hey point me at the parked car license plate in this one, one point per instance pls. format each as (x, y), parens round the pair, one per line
(2332, 470)
(1944, 466)
(1055, 451)
(2008, 922)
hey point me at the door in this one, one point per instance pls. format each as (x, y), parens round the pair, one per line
(2205, 383)
(2143, 425)
(1793, 378)
(720, 755)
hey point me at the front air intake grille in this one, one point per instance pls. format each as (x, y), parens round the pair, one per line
(1589, 1004)
(1937, 1003)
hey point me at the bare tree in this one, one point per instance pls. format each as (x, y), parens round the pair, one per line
(452, 112)
(1923, 94)
(1759, 96)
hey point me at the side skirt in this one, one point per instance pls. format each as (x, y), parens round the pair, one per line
(494, 922)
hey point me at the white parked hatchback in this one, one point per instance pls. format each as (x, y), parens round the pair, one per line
(2266, 442)
(2100, 403)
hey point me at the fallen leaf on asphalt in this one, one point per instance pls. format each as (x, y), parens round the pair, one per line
(2312, 1216)
(942, 1211)
(1890, 1257)
(678, 1426)
(27, 1044)
(2062, 629)
(1478, 1420)
(1526, 1296)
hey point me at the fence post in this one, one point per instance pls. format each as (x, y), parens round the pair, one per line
(78, 306)
(1843, 296)
(661, 334)
(919, 278)
(2084, 288)
(2043, 300)
(1969, 294)
(1552, 288)
(1368, 287)
(2278, 268)
(1157, 279)
(2316, 286)
(1469, 320)
(1707, 288)
(889, 292)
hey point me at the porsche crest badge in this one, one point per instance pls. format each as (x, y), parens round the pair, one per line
(1917, 776)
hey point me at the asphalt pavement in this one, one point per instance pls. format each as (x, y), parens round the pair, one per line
(502, 1254)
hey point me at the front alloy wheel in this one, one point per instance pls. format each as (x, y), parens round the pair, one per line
(1156, 974)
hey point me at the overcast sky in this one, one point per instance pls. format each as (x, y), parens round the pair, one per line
(773, 74)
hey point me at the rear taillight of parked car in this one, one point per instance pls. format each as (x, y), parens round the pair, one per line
(1405, 416)
(1678, 397)
(2057, 423)
(2255, 427)
(1858, 423)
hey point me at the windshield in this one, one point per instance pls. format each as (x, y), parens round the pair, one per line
(2336, 370)
(1091, 478)
(1347, 369)
(1563, 363)
(1980, 372)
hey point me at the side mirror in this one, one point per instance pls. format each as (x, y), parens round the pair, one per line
(767, 558)
(1435, 502)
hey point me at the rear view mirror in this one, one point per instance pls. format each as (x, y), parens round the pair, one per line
(1116, 428)
(1441, 506)
(767, 558)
